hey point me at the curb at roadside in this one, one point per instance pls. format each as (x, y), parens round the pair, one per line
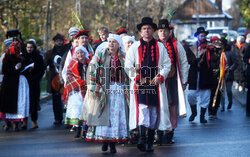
(45, 97)
(240, 97)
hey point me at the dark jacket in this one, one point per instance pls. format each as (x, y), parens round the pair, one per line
(63, 62)
(205, 72)
(246, 60)
(98, 44)
(232, 64)
(239, 74)
(49, 61)
(34, 76)
(215, 67)
(9, 90)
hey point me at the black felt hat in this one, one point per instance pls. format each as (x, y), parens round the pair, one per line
(147, 21)
(200, 30)
(164, 24)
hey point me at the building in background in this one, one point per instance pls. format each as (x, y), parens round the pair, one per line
(209, 15)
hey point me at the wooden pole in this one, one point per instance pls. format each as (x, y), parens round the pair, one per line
(48, 31)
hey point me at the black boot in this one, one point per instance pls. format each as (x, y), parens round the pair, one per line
(229, 106)
(202, 116)
(141, 145)
(105, 146)
(194, 113)
(170, 136)
(159, 137)
(150, 140)
(25, 123)
(7, 126)
(15, 126)
(78, 132)
(84, 131)
(112, 147)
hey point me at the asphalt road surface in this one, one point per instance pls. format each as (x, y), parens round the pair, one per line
(227, 136)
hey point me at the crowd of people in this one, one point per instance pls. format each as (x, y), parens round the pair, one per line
(117, 89)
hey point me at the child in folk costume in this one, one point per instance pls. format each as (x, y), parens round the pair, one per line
(76, 88)
(105, 105)
(14, 95)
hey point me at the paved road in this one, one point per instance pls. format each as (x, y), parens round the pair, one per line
(228, 136)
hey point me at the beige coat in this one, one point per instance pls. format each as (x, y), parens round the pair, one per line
(92, 109)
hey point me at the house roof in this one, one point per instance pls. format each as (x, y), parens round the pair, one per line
(187, 11)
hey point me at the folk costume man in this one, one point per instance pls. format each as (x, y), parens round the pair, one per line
(179, 70)
(82, 38)
(199, 75)
(148, 64)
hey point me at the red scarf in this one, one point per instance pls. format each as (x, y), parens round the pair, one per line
(74, 81)
(204, 46)
(239, 45)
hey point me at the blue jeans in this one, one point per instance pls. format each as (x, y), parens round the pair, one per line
(229, 85)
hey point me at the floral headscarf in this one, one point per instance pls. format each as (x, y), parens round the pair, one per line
(15, 48)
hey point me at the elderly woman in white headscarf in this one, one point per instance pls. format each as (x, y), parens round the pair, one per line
(105, 105)
(76, 88)
(127, 42)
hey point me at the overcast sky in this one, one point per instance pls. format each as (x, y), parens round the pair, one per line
(226, 4)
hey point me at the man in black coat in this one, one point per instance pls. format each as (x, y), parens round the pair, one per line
(232, 64)
(50, 58)
(34, 75)
(199, 75)
(246, 60)
(239, 74)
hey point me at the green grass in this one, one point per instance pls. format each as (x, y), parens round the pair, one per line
(43, 84)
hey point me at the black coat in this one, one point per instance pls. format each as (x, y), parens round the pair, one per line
(239, 74)
(232, 64)
(9, 90)
(49, 61)
(204, 70)
(215, 68)
(247, 61)
(34, 76)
